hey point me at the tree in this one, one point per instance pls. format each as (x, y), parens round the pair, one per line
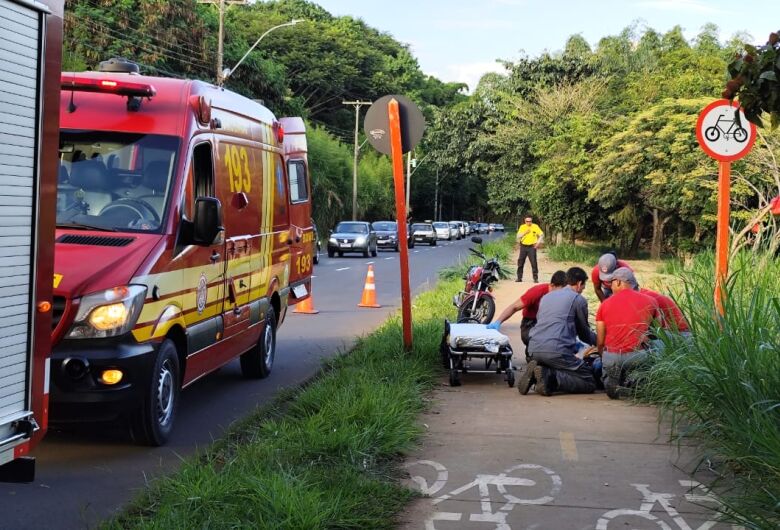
(755, 80)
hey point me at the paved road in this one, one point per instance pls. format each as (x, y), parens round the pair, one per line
(84, 475)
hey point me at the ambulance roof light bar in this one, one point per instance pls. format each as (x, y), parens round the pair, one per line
(132, 90)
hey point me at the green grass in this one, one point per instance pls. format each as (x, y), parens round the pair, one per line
(324, 456)
(498, 248)
(566, 252)
(723, 387)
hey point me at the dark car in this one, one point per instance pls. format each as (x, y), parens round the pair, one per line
(317, 244)
(424, 233)
(386, 234)
(352, 236)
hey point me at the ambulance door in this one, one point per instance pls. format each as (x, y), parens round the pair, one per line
(237, 183)
(301, 229)
(202, 268)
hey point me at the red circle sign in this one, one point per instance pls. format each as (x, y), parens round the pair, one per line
(723, 131)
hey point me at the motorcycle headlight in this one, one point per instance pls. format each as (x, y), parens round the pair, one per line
(360, 240)
(108, 313)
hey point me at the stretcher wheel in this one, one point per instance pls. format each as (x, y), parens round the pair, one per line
(510, 378)
(454, 378)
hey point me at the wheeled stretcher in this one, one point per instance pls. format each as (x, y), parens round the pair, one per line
(472, 348)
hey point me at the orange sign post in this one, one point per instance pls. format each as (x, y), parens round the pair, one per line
(394, 125)
(725, 134)
(400, 212)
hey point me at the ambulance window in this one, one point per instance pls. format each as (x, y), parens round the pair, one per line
(296, 171)
(203, 170)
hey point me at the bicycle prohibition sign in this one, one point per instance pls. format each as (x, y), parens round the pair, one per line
(724, 132)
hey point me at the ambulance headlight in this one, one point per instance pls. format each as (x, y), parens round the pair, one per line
(108, 313)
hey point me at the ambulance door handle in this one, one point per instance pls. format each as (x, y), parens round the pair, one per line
(214, 257)
(297, 239)
(289, 241)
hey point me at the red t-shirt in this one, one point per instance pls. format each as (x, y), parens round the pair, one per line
(627, 316)
(673, 317)
(594, 275)
(531, 299)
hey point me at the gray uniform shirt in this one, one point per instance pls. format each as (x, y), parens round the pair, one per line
(562, 317)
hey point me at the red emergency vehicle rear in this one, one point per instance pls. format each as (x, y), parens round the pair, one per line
(30, 53)
(183, 234)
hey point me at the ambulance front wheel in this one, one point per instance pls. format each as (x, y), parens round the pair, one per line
(257, 362)
(152, 423)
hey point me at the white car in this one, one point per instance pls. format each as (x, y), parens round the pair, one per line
(455, 229)
(443, 230)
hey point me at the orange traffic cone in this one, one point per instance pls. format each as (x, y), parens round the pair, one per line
(369, 290)
(306, 307)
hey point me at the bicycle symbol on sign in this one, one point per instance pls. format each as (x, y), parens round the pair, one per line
(728, 128)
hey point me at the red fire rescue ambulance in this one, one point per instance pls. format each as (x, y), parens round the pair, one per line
(183, 235)
(30, 52)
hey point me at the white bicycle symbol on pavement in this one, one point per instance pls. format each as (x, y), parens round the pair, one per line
(505, 483)
(622, 518)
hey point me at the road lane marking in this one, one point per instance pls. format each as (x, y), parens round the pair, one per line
(568, 446)
(390, 258)
(342, 269)
(416, 251)
(369, 263)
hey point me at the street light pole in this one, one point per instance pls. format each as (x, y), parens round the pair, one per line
(227, 73)
(357, 105)
(221, 5)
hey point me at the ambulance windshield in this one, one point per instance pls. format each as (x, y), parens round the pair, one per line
(114, 181)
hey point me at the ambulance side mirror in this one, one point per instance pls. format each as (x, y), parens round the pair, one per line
(207, 221)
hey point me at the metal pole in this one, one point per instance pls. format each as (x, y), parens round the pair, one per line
(357, 105)
(408, 180)
(396, 150)
(355, 164)
(220, 38)
(722, 235)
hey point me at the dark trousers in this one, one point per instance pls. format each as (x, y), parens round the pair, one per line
(530, 252)
(525, 329)
(572, 375)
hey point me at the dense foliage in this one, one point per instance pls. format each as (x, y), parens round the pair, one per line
(601, 142)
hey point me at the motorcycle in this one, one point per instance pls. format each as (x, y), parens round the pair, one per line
(476, 303)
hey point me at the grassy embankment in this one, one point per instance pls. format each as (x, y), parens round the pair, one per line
(323, 456)
(723, 388)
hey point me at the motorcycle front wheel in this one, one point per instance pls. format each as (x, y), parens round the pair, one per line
(482, 313)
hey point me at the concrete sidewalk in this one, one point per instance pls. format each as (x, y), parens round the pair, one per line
(493, 459)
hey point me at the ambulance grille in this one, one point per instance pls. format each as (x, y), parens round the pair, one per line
(58, 309)
(98, 241)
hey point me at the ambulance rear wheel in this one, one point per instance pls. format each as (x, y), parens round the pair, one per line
(257, 362)
(152, 423)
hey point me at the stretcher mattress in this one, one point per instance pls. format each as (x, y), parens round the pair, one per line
(476, 337)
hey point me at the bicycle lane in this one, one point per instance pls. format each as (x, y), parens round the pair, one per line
(492, 458)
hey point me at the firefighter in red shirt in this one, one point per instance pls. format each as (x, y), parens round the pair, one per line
(673, 319)
(622, 328)
(607, 264)
(529, 304)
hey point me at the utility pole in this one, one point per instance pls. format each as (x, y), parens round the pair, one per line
(221, 5)
(408, 180)
(357, 105)
(436, 198)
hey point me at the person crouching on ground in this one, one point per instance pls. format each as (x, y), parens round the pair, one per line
(562, 318)
(622, 328)
(530, 236)
(529, 304)
(606, 265)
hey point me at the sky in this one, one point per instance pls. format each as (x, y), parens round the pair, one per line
(460, 40)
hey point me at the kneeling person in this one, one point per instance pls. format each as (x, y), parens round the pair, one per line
(561, 320)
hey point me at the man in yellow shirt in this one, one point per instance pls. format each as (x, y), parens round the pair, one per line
(530, 236)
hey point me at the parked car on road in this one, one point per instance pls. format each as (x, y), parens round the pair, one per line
(500, 227)
(455, 230)
(424, 233)
(352, 236)
(443, 230)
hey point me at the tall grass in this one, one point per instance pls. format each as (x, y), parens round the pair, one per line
(498, 248)
(723, 387)
(567, 252)
(324, 456)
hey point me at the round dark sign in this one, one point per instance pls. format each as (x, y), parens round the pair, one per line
(377, 124)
